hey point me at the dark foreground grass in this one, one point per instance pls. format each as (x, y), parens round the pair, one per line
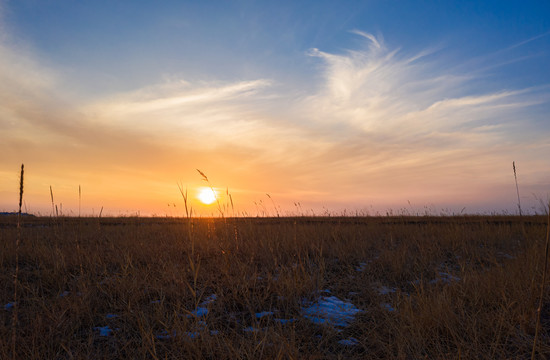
(427, 287)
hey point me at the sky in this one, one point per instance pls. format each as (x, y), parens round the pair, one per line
(291, 107)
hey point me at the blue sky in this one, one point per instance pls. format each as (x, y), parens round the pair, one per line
(336, 105)
(142, 41)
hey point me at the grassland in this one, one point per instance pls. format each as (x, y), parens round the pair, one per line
(165, 288)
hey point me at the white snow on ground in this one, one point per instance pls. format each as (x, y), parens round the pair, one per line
(445, 277)
(363, 265)
(199, 312)
(263, 313)
(384, 290)
(104, 331)
(253, 329)
(328, 310)
(202, 309)
(165, 335)
(349, 342)
(210, 299)
(506, 256)
(387, 306)
(192, 334)
(331, 311)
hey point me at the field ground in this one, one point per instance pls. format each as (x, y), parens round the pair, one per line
(289, 288)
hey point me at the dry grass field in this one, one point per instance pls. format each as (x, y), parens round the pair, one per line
(396, 287)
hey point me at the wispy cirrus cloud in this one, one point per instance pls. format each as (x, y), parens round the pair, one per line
(207, 114)
(398, 125)
(376, 89)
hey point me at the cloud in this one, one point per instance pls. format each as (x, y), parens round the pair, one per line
(171, 96)
(378, 91)
(402, 124)
(205, 114)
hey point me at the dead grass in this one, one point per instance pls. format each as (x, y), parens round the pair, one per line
(460, 287)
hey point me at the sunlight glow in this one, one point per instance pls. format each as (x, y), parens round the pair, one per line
(206, 195)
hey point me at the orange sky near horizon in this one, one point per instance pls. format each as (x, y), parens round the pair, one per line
(119, 194)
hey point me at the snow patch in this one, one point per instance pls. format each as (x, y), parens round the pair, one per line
(105, 330)
(252, 329)
(384, 290)
(263, 313)
(165, 335)
(506, 256)
(331, 311)
(202, 309)
(445, 278)
(349, 342)
(387, 306)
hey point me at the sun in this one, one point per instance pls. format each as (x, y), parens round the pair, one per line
(206, 195)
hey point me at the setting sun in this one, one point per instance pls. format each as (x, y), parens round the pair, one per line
(206, 195)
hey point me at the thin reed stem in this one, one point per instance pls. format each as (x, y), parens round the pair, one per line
(274, 206)
(53, 206)
(517, 188)
(205, 178)
(79, 253)
(15, 278)
(194, 262)
(79, 200)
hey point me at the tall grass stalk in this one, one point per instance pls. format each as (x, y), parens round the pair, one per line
(188, 214)
(517, 188)
(232, 207)
(79, 200)
(539, 309)
(15, 278)
(184, 195)
(205, 178)
(53, 205)
(77, 239)
(194, 262)
(274, 206)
